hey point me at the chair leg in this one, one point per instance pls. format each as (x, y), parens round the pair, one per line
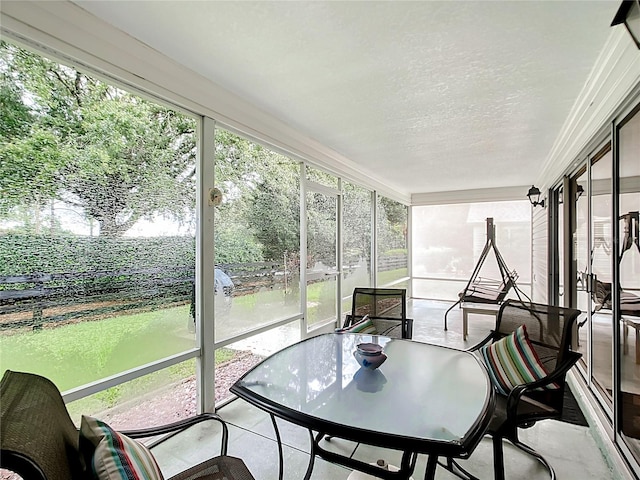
(498, 455)
(527, 449)
(455, 468)
(498, 458)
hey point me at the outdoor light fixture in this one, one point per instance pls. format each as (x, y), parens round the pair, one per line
(629, 14)
(534, 197)
(579, 191)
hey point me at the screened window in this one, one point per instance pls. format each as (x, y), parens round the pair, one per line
(97, 224)
(392, 221)
(448, 240)
(357, 203)
(257, 236)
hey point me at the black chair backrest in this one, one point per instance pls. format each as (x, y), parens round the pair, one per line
(549, 328)
(38, 439)
(390, 303)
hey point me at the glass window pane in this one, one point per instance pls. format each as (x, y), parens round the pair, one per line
(392, 241)
(630, 281)
(600, 258)
(257, 236)
(581, 263)
(97, 225)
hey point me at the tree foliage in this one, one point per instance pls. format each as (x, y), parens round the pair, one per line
(262, 195)
(67, 136)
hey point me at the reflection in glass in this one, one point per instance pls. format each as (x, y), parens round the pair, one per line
(369, 380)
(320, 377)
(560, 258)
(601, 264)
(629, 264)
(581, 268)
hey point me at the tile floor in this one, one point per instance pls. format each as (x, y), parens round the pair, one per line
(572, 450)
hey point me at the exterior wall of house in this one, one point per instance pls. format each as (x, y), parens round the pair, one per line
(539, 256)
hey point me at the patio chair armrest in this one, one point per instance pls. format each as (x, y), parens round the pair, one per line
(483, 342)
(170, 429)
(557, 375)
(390, 327)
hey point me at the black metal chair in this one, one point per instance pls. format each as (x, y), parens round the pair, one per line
(385, 307)
(550, 331)
(39, 441)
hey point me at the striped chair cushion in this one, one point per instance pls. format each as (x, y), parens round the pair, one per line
(116, 456)
(364, 326)
(512, 361)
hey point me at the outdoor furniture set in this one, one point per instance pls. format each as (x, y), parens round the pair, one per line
(316, 383)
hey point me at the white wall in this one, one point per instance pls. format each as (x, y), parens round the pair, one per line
(614, 78)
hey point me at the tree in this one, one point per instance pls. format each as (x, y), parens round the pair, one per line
(262, 195)
(275, 212)
(113, 155)
(392, 225)
(15, 116)
(357, 220)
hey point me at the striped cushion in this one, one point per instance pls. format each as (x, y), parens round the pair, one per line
(116, 456)
(512, 361)
(364, 326)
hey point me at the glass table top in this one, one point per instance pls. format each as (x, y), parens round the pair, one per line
(422, 393)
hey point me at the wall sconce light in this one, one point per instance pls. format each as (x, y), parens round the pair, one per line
(629, 14)
(579, 191)
(534, 197)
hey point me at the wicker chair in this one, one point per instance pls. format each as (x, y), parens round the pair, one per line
(385, 307)
(550, 331)
(39, 441)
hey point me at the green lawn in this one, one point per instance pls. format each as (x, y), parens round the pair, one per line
(75, 354)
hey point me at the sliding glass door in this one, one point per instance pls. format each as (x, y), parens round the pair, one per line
(628, 301)
(592, 266)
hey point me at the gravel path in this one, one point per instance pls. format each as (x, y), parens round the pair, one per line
(178, 401)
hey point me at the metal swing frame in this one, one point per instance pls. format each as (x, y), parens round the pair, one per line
(473, 286)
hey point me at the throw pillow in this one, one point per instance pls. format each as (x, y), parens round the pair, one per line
(116, 456)
(512, 361)
(364, 326)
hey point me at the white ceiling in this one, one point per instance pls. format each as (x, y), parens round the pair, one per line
(426, 96)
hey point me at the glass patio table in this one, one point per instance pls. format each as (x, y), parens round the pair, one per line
(424, 399)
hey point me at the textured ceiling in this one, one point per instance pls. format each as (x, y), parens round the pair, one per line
(428, 96)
